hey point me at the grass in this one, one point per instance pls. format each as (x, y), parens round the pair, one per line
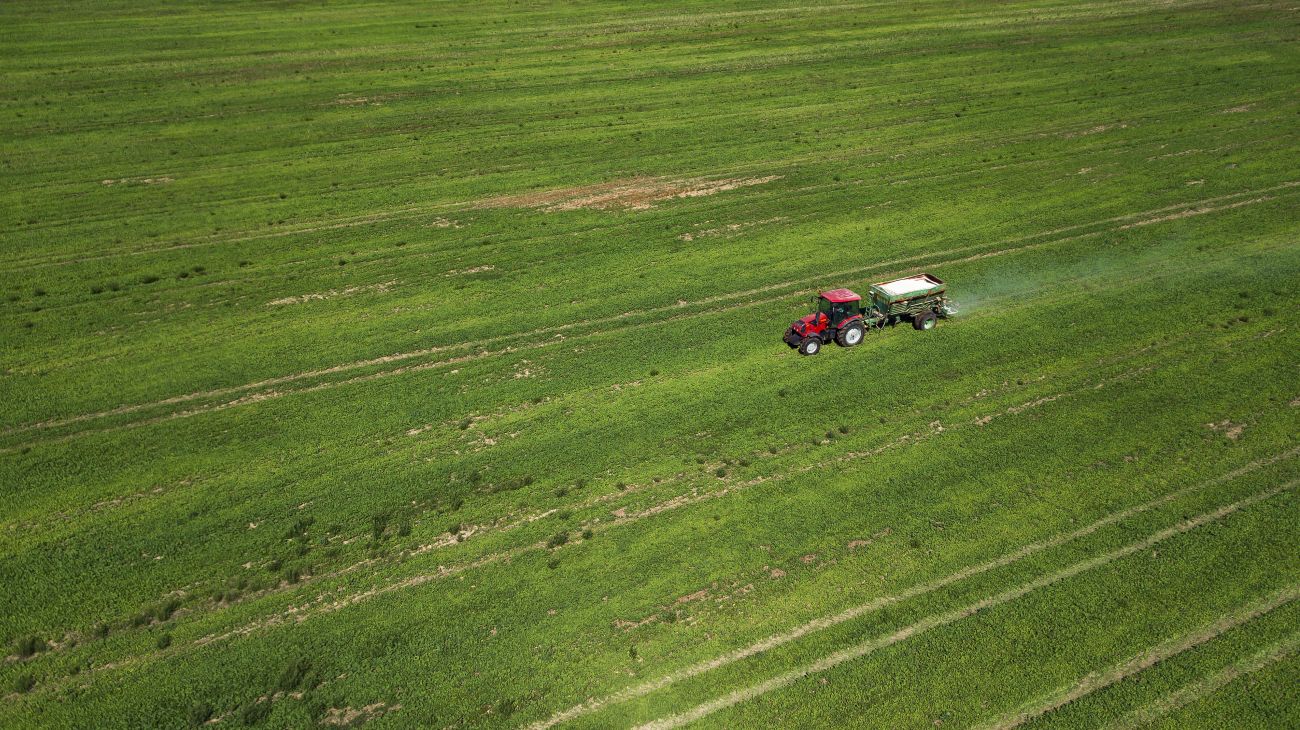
(272, 269)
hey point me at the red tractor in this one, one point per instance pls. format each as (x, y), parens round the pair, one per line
(842, 316)
(838, 317)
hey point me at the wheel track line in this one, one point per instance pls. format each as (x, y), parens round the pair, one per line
(299, 613)
(1095, 681)
(950, 617)
(409, 212)
(341, 222)
(302, 613)
(683, 499)
(1208, 685)
(272, 394)
(921, 589)
(679, 500)
(1200, 207)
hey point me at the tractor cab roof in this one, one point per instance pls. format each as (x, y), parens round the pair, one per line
(840, 295)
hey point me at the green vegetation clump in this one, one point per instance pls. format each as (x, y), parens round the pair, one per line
(30, 646)
(254, 713)
(198, 714)
(294, 676)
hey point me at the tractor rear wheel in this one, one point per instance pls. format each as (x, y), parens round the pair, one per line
(924, 321)
(810, 346)
(850, 336)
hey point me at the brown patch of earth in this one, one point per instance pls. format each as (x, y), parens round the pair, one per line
(637, 193)
(694, 596)
(1227, 428)
(163, 180)
(332, 293)
(1094, 130)
(730, 228)
(348, 716)
(471, 270)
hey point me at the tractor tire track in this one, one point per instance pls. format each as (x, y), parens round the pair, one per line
(408, 212)
(419, 367)
(557, 331)
(328, 603)
(950, 617)
(1153, 656)
(1208, 685)
(695, 496)
(921, 589)
(503, 524)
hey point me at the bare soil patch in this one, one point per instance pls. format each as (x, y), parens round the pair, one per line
(729, 228)
(1094, 130)
(160, 180)
(1229, 429)
(637, 193)
(350, 717)
(333, 293)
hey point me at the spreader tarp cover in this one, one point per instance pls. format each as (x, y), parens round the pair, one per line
(912, 286)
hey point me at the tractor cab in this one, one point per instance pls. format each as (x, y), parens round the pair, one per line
(837, 315)
(838, 305)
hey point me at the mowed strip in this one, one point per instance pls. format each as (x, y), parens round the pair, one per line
(878, 604)
(950, 617)
(1149, 658)
(557, 333)
(1208, 685)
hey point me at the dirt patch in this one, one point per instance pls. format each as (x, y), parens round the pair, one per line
(356, 100)
(730, 228)
(333, 293)
(694, 596)
(1229, 429)
(775, 573)
(637, 193)
(1239, 109)
(470, 270)
(162, 180)
(1193, 211)
(349, 716)
(1094, 130)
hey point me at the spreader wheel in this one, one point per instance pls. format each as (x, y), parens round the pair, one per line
(810, 346)
(850, 336)
(924, 321)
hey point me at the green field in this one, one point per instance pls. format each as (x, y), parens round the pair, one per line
(419, 365)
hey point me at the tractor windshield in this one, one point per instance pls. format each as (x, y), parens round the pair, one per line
(824, 306)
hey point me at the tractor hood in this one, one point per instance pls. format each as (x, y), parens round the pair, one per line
(802, 324)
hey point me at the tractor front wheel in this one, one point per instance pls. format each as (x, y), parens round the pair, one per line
(924, 321)
(810, 346)
(850, 336)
